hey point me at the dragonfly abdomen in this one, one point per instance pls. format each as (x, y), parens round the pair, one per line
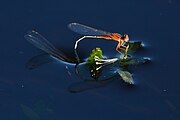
(112, 36)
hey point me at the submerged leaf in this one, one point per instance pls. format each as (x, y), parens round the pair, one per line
(30, 112)
(43, 108)
(87, 85)
(126, 76)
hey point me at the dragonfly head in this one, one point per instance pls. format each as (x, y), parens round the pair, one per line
(125, 37)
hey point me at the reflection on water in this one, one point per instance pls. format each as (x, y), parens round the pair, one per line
(108, 75)
(97, 70)
(43, 93)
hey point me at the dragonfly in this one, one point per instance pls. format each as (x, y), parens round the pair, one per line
(51, 51)
(109, 67)
(109, 72)
(81, 70)
(90, 32)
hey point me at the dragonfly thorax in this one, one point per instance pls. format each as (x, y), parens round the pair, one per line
(116, 36)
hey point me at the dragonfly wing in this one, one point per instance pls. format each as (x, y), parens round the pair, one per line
(40, 42)
(86, 30)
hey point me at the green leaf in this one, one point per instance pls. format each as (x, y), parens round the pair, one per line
(133, 46)
(94, 62)
(96, 54)
(126, 76)
(134, 61)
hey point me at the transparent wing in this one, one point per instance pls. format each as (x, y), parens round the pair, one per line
(40, 42)
(85, 30)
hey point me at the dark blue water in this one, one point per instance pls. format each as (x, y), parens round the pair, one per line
(42, 93)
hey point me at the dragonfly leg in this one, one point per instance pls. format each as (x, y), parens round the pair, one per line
(121, 48)
(126, 50)
(117, 48)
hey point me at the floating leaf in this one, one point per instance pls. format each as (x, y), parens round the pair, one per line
(133, 46)
(94, 64)
(126, 76)
(96, 54)
(134, 61)
(106, 72)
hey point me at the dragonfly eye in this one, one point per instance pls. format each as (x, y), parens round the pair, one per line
(125, 37)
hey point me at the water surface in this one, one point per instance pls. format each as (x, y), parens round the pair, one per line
(42, 94)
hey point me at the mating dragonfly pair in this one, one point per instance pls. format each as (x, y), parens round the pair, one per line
(110, 67)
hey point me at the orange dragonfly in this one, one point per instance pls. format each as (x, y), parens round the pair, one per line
(90, 32)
